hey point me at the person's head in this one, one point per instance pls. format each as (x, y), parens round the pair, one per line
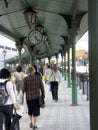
(48, 66)
(35, 67)
(5, 73)
(30, 70)
(19, 68)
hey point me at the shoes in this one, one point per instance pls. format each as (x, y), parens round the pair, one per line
(34, 127)
(31, 125)
(56, 100)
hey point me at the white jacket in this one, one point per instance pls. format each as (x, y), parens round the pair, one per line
(19, 76)
(47, 73)
(55, 76)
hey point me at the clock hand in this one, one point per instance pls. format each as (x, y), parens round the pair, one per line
(36, 38)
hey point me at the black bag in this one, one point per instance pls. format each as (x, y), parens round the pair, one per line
(41, 101)
(15, 121)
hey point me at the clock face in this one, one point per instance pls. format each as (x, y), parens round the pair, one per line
(35, 37)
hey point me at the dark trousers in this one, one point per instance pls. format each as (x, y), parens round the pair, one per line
(54, 89)
(6, 113)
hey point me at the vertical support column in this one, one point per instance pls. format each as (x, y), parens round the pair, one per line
(68, 72)
(33, 60)
(20, 56)
(74, 85)
(56, 59)
(73, 34)
(93, 62)
(39, 61)
(65, 66)
(62, 55)
(49, 59)
(19, 46)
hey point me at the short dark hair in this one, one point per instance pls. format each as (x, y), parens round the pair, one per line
(35, 67)
(19, 68)
(5, 73)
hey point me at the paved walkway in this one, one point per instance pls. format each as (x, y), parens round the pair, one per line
(61, 115)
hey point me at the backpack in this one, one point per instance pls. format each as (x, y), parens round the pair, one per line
(3, 93)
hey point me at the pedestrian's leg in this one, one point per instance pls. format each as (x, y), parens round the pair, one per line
(8, 110)
(30, 117)
(1, 121)
(31, 124)
(56, 93)
(52, 92)
(34, 120)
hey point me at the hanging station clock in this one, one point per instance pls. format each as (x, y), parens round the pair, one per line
(35, 37)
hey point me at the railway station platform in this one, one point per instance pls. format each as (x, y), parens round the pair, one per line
(61, 115)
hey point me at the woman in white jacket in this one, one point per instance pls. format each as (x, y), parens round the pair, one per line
(6, 110)
(54, 79)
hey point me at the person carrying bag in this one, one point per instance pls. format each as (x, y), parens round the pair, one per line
(6, 110)
(15, 125)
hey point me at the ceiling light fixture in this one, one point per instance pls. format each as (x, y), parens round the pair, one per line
(30, 16)
(7, 2)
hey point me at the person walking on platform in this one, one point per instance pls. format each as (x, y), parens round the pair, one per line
(54, 79)
(36, 71)
(33, 86)
(6, 110)
(19, 75)
(47, 72)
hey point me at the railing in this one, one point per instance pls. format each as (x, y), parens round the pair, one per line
(83, 83)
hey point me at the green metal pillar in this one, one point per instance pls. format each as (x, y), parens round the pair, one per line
(65, 74)
(49, 58)
(73, 34)
(74, 85)
(40, 62)
(93, 62)
(68, 72)
(62, 64)
(20, 57)
(56, 55)
(33, 60)
(19, 45)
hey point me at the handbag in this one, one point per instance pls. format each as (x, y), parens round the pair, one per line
(15, 121)
(20, 97)
(41, 101)
(25, 106)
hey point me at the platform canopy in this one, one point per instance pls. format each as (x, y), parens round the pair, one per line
(54, 18)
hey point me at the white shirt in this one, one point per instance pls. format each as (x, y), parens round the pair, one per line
(55, 76)
(47, 73)
(10, 90)
(19, 75)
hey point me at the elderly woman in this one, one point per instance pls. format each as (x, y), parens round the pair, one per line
(33, 86)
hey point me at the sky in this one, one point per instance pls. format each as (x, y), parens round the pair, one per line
(83, 42)
(4, 41)
(9, 43)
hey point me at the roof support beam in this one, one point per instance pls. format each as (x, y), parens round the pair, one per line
(8, 33)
